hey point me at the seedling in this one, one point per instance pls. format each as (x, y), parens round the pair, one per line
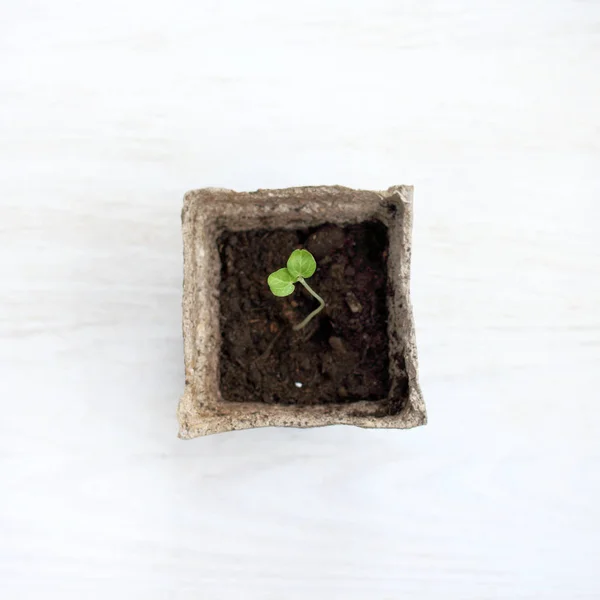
(300, 266)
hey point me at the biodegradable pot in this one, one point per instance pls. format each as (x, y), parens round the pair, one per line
(209, 212)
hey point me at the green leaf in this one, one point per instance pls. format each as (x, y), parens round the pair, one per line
(281, 282)
(301, 263)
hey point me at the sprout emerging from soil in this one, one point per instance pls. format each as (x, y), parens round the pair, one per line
(300, 266)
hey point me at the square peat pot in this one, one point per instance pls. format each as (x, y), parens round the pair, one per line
(355, 363)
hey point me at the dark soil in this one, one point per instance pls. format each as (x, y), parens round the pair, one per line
(342, 354)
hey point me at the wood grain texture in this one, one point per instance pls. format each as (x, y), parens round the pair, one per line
(110, 111)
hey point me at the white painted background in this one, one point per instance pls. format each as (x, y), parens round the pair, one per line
(110, 111)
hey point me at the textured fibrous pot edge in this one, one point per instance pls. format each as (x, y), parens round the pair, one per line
(208, 211)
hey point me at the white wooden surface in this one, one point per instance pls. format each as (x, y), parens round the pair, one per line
(110, 110)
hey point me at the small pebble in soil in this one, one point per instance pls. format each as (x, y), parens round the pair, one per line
(325, 241)
(337, 344)
(298, 384)
(337, 271)
(353, 304)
